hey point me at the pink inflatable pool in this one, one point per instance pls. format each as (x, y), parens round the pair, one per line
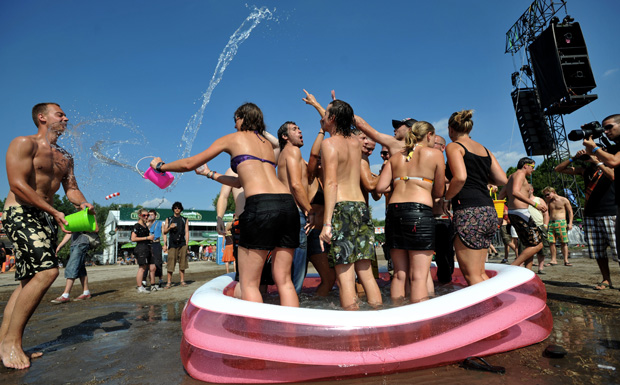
(227, 340)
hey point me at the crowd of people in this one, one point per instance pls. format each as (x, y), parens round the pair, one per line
(289, 210)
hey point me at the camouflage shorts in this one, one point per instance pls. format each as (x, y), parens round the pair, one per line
(33, 234)
(353, 234)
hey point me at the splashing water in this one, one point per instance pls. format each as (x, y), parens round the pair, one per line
(241, 34)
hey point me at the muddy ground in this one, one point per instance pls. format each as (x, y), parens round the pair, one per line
(122, 337)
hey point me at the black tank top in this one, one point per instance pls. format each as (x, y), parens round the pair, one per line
(475, 192)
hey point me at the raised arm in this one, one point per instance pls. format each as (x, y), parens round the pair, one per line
(386, 140)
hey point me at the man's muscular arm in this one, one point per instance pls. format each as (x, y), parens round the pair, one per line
(72, 191)
(294, 163)
(19, 168)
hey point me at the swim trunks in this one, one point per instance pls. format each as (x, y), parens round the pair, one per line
(529, 234)
(269, 221)
(33, 234)
(476, 226)
(411, 226)
(557, 228)
(353, 234)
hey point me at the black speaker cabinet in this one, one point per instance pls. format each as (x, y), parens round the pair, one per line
(535, 131)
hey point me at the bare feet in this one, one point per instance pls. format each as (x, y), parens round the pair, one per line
(14, 357)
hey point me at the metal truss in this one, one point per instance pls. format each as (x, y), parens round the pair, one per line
(531, 23)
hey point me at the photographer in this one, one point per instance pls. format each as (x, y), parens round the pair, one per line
(600, 209)
(609, 157)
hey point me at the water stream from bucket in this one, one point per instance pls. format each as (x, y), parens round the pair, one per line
(127, 138)
(241, 34)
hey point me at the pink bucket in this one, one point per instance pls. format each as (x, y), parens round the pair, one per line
(161, 179)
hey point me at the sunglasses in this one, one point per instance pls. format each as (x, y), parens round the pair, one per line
(237, 118)
(531, 164)
(547, 194)
(144, 215)
(384, 153)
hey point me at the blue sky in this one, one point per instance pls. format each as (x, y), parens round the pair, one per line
(134, 73)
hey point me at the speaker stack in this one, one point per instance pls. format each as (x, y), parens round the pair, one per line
(535, 132)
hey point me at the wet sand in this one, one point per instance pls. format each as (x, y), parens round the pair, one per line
(122, 337)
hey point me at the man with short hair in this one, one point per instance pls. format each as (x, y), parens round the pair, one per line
(293, 172)
(518, 192)
(176, 231)
(347, 223)
(560, 212)
(155, 228)
(609, 157)
(599, 212)
(36, 167)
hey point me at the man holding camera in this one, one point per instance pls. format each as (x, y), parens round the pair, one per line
(600, 209)
(609, 157)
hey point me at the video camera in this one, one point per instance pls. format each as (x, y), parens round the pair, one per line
(592, 129)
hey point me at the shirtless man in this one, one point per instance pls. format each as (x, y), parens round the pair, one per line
(347, 223)
(518, 192)
(559, 210)
(293, 172)
(36, 167)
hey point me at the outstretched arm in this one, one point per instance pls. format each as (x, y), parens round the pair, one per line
(227, 179)
(386, 140)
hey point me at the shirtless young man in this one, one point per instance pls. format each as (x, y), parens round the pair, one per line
(559, 210)
(347, 223)
(518, 192)
(36, 167)
(293, 172)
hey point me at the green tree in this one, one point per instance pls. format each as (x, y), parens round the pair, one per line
(230, 205)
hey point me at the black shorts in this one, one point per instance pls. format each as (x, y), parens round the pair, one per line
(269, 221)
(410, 226)
(314, 243)
(143, 254)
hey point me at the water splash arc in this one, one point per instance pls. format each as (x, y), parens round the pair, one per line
(226, 56)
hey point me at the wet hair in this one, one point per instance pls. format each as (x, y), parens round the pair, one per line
(343, 116)
(177, 204)
(252, 118)
(524, 161)
(461, 121)
(416, 134)
(40, 108)
(283, 130)
(548, 189)
(614, 117)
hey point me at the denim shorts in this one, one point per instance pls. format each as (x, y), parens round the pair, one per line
(76, 267)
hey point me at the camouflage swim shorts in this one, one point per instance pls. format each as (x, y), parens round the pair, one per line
(353, 234)
(33, 234)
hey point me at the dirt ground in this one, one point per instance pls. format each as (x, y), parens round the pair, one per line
(122, 337)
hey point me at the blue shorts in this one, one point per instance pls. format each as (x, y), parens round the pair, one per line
(76, 267)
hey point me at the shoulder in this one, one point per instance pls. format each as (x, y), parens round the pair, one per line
(23, 144)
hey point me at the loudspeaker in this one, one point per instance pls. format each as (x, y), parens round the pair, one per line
(561, 66)
(535, 131)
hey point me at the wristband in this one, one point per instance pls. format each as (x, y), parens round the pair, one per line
(595, 149)
(321, 132)
(570, 160)
(327, 225)
(599, 164)
(213, 174)
(158, 167)
(535, 204)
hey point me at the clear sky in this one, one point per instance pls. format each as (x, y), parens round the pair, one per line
(134, 73)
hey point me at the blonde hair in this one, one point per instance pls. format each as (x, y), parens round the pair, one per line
(461, 121)
(548, 189)
(417, 132)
